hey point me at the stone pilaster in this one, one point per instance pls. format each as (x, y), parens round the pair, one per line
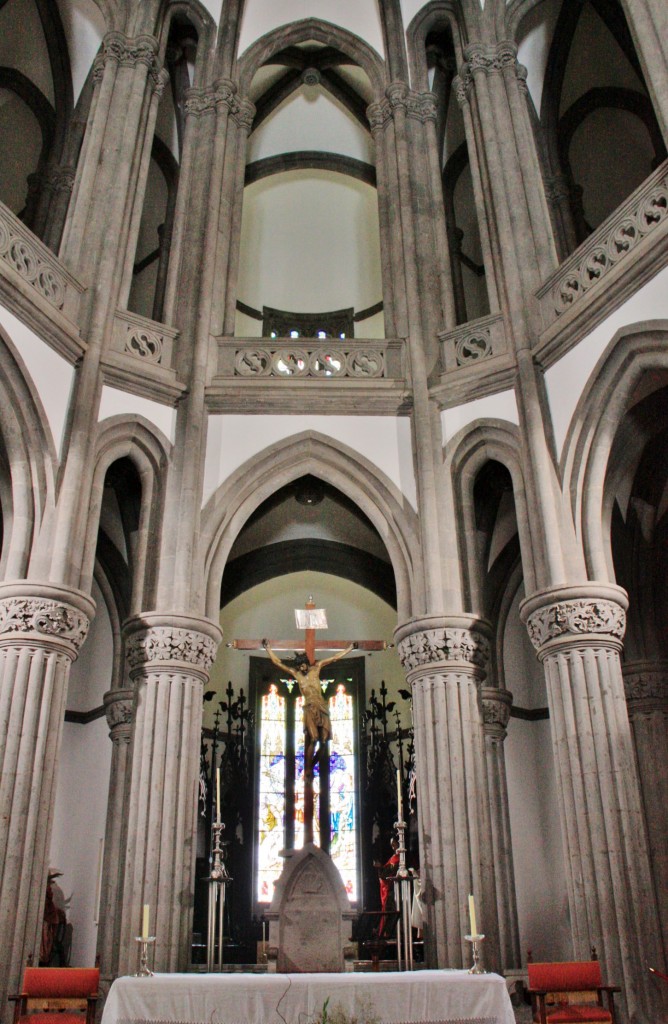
(646, 686)
(119, 709)
(168, 657)
(446, 660)
(577, 632)
(496, 705)
(42, 628)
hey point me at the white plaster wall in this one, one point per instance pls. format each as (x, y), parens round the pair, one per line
(360, 17)
(502, 406)
(533, 45)
(310, 243)
(567, 378)
(384, 440)
(50, 374)
(115, 402)
(82, 788)
(311, 119)
(84, 27)
(267, 610)
(540, 881)
(23, 46)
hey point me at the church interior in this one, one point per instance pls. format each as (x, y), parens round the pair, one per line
(361, 306)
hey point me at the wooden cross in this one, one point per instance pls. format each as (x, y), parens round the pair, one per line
(310, 645)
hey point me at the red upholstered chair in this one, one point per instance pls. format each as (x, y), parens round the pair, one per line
(57, 995)
(570, 993)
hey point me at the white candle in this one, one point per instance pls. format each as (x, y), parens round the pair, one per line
(264, 936)
(399, 818)
(474, 926)
(144, 922)
(217, 796)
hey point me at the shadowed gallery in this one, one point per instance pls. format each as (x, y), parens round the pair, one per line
(351, 313)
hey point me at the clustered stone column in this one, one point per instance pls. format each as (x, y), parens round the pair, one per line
(578, 633)
(646, 685)
(446, 660)
(119, 709)
(496, 705)
(42, 628)
(169, 657)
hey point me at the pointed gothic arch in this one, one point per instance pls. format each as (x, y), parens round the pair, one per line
(312, 453)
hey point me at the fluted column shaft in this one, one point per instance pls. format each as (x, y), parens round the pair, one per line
(578, 632)
(169, 657)
(118, 706)
(445, 662)
(646, 685)
(496, 705)
(42, 628)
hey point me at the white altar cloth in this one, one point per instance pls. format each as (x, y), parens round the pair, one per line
(415, 997)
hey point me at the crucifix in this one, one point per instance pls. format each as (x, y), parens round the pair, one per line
(305, 670)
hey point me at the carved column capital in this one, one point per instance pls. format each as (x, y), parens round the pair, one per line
(646, 687)
(41, 614)
(379, 115)
(244, 114)
(592, 614)
(440, 644)
(500, 58)
(496, 705)
(181, 644)
(119, 709)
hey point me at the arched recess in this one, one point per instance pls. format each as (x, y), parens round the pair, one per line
(310, 453)
(29, 464)
(466, 454)
(634, 364)
(135, 439)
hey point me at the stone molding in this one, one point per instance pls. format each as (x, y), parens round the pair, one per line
(439, 643)
(496, 705)
(119, 709)
(33, 612)
(171, 643)
(646, 687)
(595, 615)
(488, 60)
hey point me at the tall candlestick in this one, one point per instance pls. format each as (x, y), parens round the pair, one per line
(144, 922)
(399, 817)
(218, 796)
(474, 925)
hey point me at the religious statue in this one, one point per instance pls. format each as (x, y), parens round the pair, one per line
(317, 726)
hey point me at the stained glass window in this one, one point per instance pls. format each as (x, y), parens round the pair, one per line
(281, 787)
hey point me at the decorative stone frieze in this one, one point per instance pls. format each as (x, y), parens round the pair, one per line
(496, 705)
(422, 645)
(646, 687)
(119, 709)
(616, 238)
(29, 618)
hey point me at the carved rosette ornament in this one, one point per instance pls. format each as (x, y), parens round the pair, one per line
(646, 687)
(438, 644)
(591, 615)
(173, 644)
(496, 705)
(41, 614)
(119, 709)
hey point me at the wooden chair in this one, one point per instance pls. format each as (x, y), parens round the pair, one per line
(570, 993)
(57, 995)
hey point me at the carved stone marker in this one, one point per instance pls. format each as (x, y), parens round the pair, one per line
(309, 914)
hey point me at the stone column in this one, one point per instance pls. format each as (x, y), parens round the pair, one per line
(42, 628)
(446, 660)
(577, 632)
(169, 657)
(496, 705)
(118, 706)
(646, 685)
(648, 22)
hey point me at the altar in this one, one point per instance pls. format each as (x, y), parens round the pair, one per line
(411, 997)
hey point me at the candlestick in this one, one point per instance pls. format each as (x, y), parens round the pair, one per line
(475, 941)
(474, 926)
(144, 923)
(399, 815)
(144, 942)
(218, 796)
